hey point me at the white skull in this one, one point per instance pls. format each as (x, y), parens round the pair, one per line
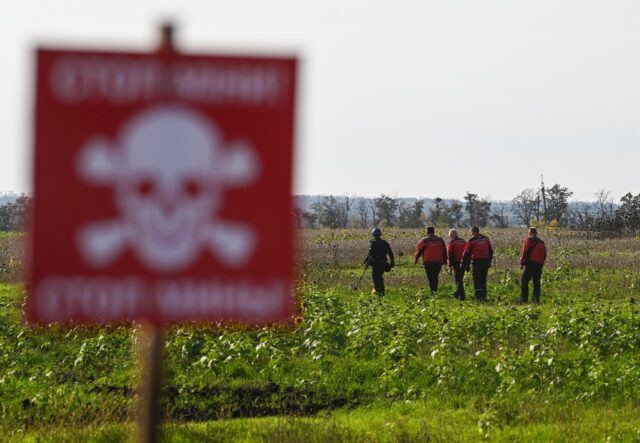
(169, 188)
(168, 174)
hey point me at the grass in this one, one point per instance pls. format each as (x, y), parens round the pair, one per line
(399, 421)
(408, 367)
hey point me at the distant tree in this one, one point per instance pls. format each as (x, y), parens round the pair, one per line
(604, 203)
(471, 206)
(345, 210)
(498, 215)
(524, 206)
(13, 215)
(629, 211)
(296, 214)
(403, 209)
(371, 204)
(557, 203)
(439, 213)
(446, 214)
(332, 213)
(309, 218)
(416, 216)
(5, 217)
(582, 217)
(455, 213)
(363, 213)
(329, 212)
(478, 210)
(411, 215)
(386, 208)
(484, 212)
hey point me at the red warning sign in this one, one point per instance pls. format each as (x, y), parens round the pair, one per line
(162, 188)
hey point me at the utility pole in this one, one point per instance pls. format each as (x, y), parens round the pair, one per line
(544, 200)
(538, 206)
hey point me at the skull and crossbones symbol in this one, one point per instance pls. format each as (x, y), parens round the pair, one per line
(168, 170)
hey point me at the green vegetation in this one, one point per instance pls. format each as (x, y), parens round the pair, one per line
(389, 422)
(407, 367)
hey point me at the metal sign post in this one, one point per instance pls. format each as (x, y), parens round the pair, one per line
(151, 346)
(183, 167)
(151, 336)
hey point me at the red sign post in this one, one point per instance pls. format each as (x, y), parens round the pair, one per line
(162, 188)
(162, 193)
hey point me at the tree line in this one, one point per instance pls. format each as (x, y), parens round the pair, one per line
(546, 206)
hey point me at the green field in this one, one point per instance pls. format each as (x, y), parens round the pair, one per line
(409, 367)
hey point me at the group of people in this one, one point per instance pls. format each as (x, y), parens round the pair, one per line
(460, 255)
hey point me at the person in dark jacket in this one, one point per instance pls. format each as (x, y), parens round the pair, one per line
(478, 254)
(534, 254)
(434, 254)
(454, 252)
(379, 249)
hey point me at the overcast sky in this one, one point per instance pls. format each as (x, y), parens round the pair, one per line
(413, 98)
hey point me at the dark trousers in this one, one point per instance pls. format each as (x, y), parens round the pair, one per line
(432, 270)
(479, 269)
(458, 274)
(532, 271)
(377, 272)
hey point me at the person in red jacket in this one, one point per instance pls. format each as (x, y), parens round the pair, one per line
(534, 254)
(434, 254)
(478, 253)
(454, 252)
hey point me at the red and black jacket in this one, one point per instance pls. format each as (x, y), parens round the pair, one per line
(477, 248)
(432, 249)
(533, 251)
(455, 250)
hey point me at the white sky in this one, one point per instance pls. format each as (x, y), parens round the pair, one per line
(414, 98)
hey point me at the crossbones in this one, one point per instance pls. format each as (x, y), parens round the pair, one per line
(167, 169)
